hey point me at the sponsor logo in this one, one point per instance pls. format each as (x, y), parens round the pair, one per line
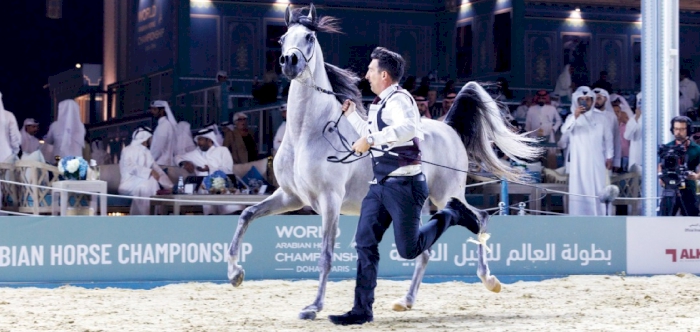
(683, 254)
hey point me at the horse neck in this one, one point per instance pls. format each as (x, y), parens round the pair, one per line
(307, 107)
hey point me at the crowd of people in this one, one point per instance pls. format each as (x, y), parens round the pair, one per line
(599, 134)
(216, 147)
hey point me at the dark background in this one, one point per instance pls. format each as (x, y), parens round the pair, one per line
(34, 47)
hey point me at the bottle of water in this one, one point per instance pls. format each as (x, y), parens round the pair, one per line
(180, 186)
(94, 170)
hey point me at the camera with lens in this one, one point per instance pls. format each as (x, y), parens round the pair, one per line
(674, 170)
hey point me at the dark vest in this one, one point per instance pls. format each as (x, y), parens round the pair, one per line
(408, 155)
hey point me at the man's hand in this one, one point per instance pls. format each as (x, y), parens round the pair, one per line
(188, 166)
(693, 176)
(203, 169)
(348, 107)
(579, 110)
(608, 164)
(361, 145)
(155, 174)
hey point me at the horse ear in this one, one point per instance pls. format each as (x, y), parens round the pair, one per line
(288, 15)
(312, 13)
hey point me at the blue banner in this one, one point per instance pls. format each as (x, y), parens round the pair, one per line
(60, 249)
(152, 46)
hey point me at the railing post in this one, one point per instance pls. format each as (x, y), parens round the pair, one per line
(521, 208)
(504, 197)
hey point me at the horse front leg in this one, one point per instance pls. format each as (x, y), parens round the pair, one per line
(406, 303)
(329, 208)
(278, 202)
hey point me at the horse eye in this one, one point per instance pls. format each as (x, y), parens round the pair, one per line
(310, 38)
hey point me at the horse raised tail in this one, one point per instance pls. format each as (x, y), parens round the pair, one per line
(478, 119)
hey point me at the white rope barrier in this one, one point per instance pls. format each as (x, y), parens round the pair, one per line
(546, 191)
(112, 195)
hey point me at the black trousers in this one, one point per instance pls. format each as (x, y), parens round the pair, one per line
(399, 201)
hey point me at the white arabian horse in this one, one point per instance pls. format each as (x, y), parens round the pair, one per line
(305, 179)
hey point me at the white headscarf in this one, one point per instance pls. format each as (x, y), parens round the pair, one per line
(624, 105)
(608, 105)
(207, 133)
(168, 112)
(563, 87)
(185, 142)
(582, 91)
(69, 121)
(27, 138)
(141, 135)
(217, 133)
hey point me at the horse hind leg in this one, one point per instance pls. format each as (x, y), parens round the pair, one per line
(406, 303)
(278, 202)
(490, 281)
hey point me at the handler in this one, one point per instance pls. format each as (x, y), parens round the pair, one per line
(399, 188)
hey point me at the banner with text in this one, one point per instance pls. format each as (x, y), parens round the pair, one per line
(153, 38)
(55, 249)
(663, 245)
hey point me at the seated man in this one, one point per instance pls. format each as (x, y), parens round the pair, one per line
(139, 172)
(208, 158)
(240, 141)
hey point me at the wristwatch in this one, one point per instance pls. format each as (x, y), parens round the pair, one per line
(370, 140)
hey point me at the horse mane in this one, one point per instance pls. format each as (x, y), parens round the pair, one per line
(344, 83)
(328, 24)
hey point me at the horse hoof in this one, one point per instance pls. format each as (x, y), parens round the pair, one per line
(307, 315)
(401, 305)
(237, 278)
(493, 284)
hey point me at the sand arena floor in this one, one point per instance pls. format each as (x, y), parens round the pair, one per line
(582, 303)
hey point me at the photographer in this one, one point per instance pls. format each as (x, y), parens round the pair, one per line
(685, 197)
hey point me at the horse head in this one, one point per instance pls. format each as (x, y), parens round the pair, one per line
(299, 44)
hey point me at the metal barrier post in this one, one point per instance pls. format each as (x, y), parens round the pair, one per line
(504, 196)
(521, 208)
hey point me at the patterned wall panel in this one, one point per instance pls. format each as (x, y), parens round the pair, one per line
(413, 43)
(540, 58)
(612, 52)
(483, 46)
(242, 46)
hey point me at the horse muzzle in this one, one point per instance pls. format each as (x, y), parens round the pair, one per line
(292, 64)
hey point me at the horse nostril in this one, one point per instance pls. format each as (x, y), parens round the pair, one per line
(295, 60)
(282, 59)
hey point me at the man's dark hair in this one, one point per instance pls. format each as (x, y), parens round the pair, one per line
(685, 72)
(390, 62)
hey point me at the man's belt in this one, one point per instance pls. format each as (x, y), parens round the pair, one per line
(411, 178)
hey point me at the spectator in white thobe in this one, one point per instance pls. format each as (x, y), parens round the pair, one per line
(688, 87)
(29, 141)
(633, 132)
(185, 142)
(590, 152)
(280, 130)
(684, 104)
(67, 133)
(563, 86)
(139, 171)
(208, 158)
(542, 119)
(10, 138)
(164, 136)
(602, 103)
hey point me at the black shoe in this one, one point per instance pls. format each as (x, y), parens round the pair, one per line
(464, 216)
(350, 318)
